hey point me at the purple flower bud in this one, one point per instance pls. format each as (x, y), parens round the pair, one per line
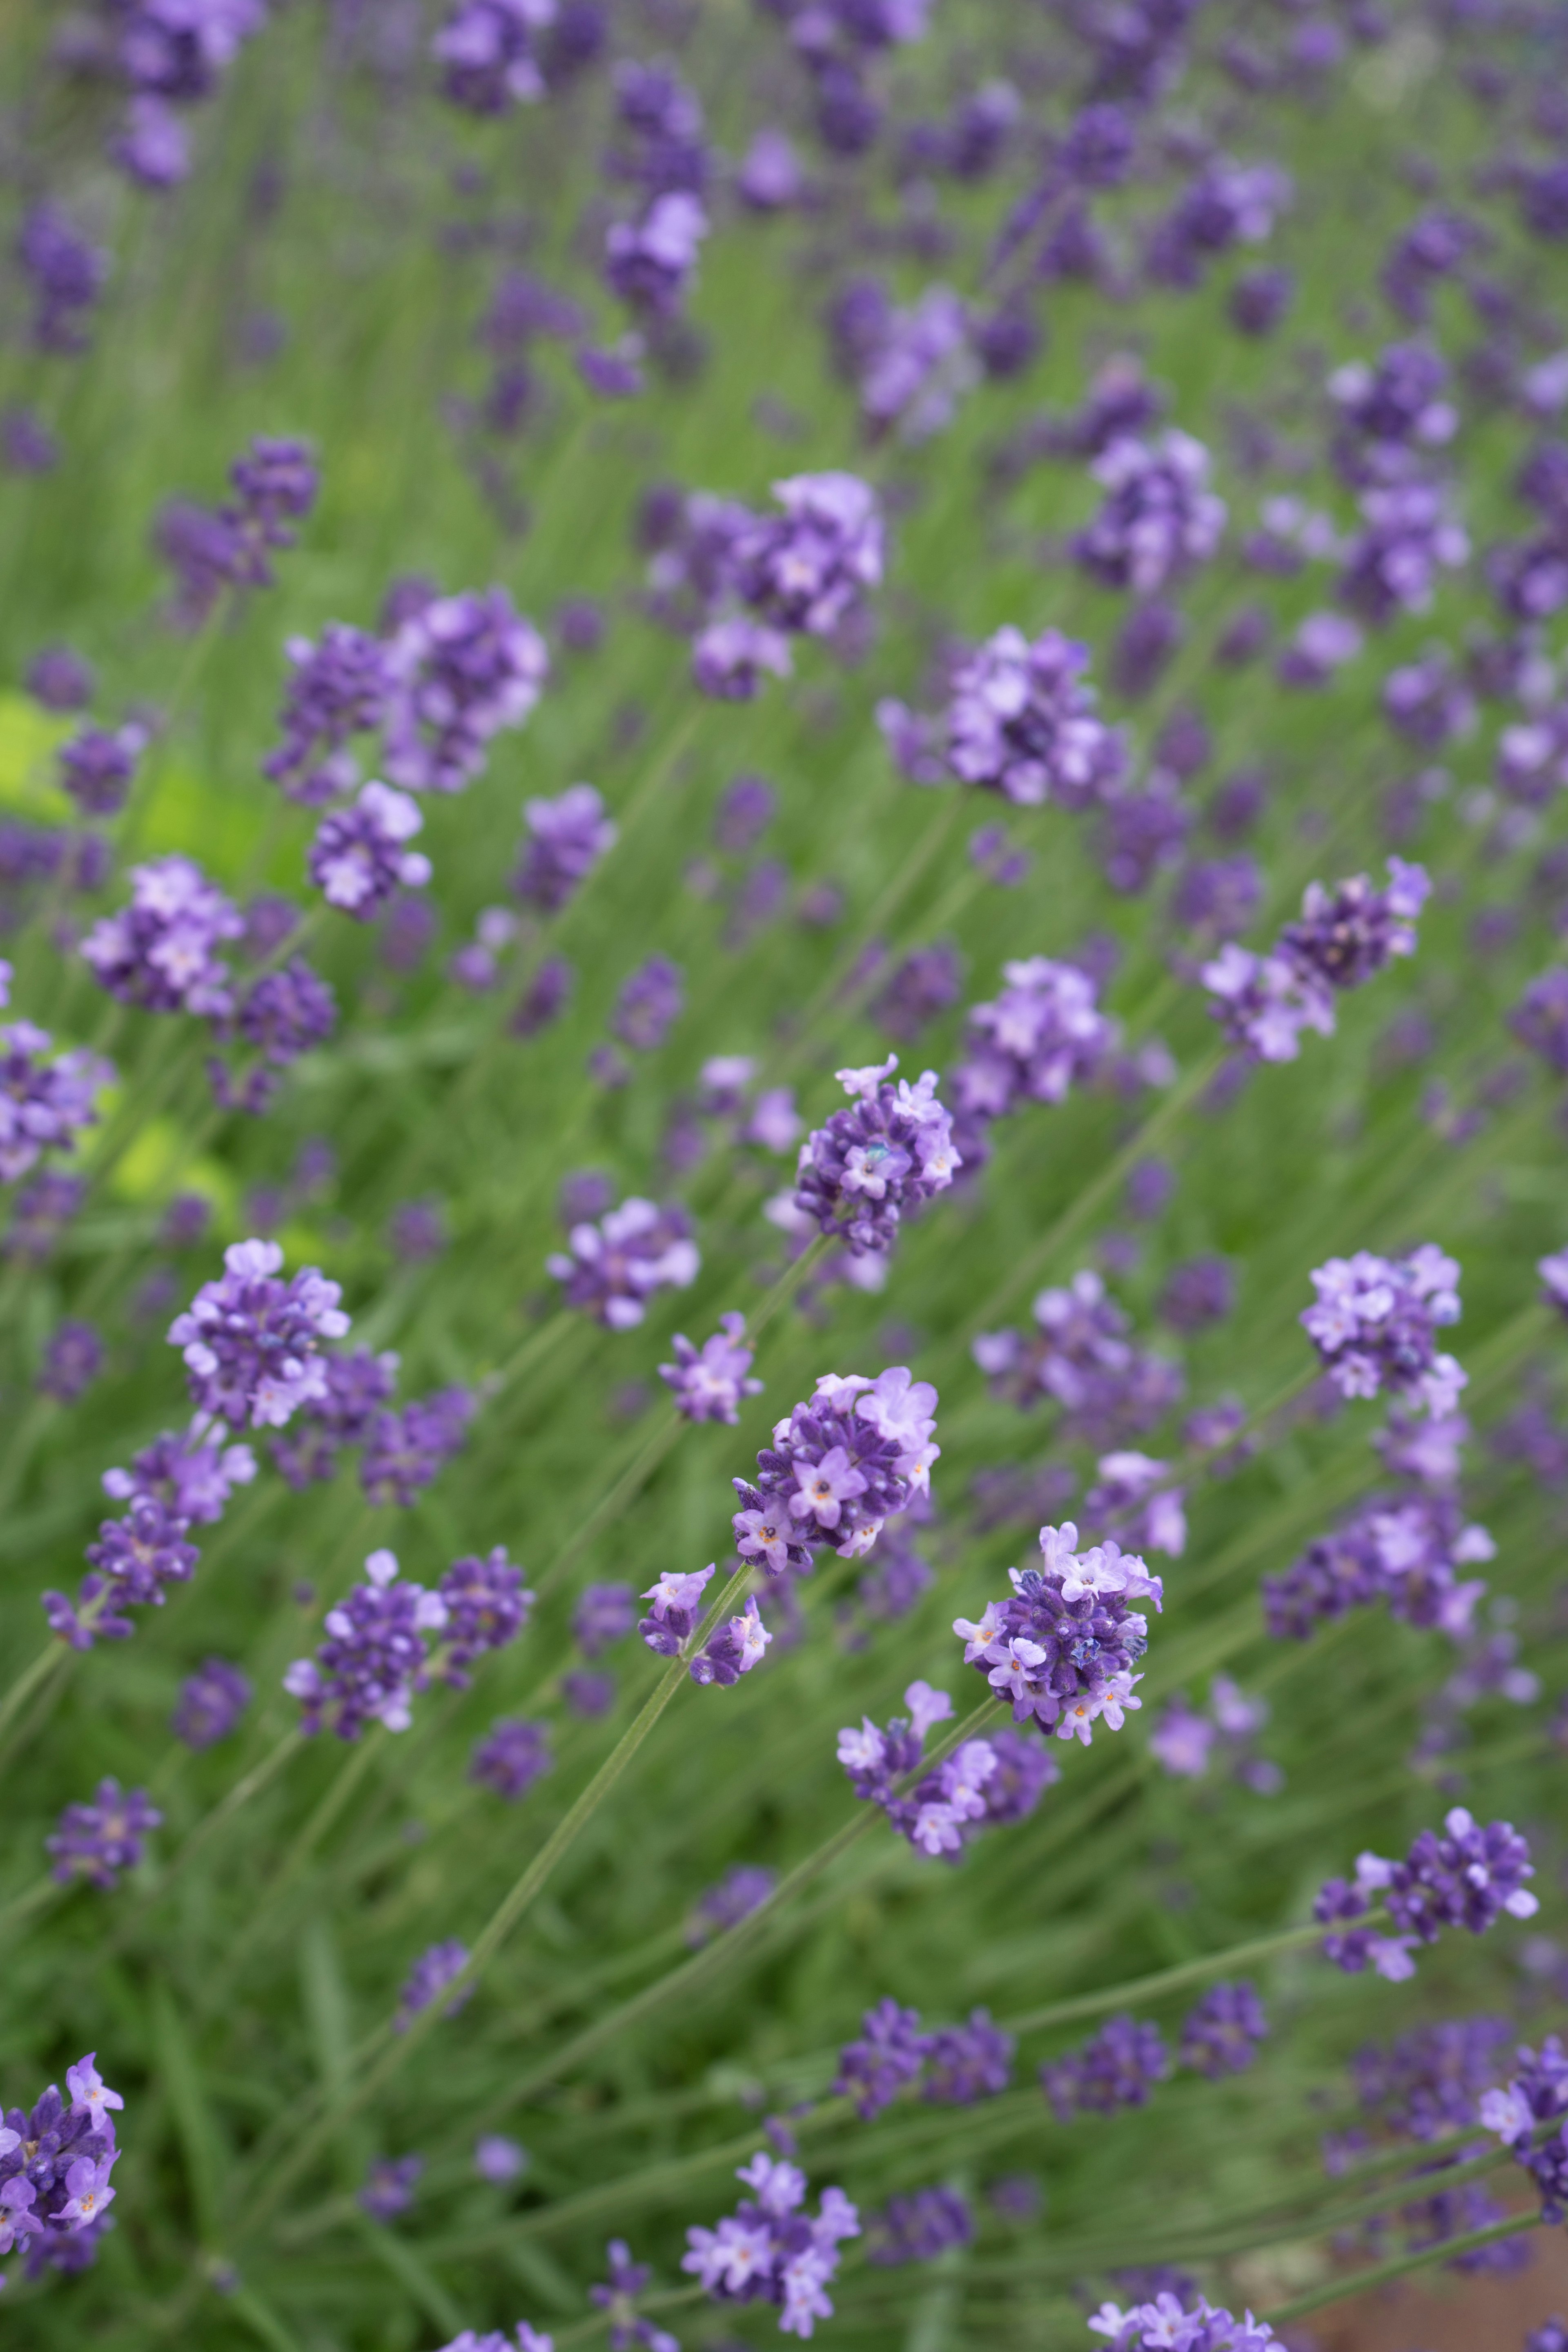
(211, 1701)
(566, 838)
(615, 1265)
(73, 1358)
(97, 1840)
(1159, 517)
(427, 1979)
(511, 1756)
(1220, 2036)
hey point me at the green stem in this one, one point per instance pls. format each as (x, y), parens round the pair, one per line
(1360, 2282)
(49, 1662)
(1188, 1972)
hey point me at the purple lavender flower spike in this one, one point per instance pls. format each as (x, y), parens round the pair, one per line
(405, 1451)
(462, 669)
(1406, 1553)
(806, 571)
(1393, 564)
(98, 767)
(738, 1645)
(1182, 1741)
(427, 1979)
(1467, 1878)
(650, 264)
(389, 2186)
(375, 1656)
(891, 1149)
(1348, 934)
(1374, 1325)
(211, 1701)
(967, 2063)
(1117, 2067)
(487, 52)
(66, 275)
(55, 2167)
(649, 1005)
(737, 1895)
(499, 2159)
(710, 1380)
(769, 2250)
(1536, 2093)
(337, 688)
(1198, 2325)
(676, 1598)
(1159, 517)
(947, 1806)
(513, 1755)
(1221, 2034)
(159, 952)
(1539, 1019)
(1080, 1358)
(252, 1344)
(44, 1105)
(358, 859)
(97, 1840)
(891, 2051)
(73, 1358)
(1042, 1036)
(566, 838)
(1265, 1003)
(1021, 723)
(59, 679)
(487, 1605)
(839, 1467)
(918, 2228)
(604, 1615)
(1134, 1497)
(614, 1266)
(730, 656)
(1062, 1649)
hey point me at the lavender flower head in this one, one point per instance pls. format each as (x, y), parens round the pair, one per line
(159, 952)
(1022, 723)
(462, 668)
(734, 1897)
(487, 1606)
(337, 688)
(1042, 1036)
(840, 1466)
(1348, 934)
(806, 571)
(1117, 2067)
(1062, 1649)
(375, 1656)
(55, 2167)
(211, 1701)
(1202, 2327)
(427, 1979)
(948, 1804)
(918, 2228)
(566, 838)
(710, 1380)
(358, 859)
(1079, 1357)
(1467, 1878)
(252, 1344)
(1375, 1324)
(890, 2053)
(487, 52)
(1220, 2034)
(890, 1150)
(614, 1266)
(1159, 517)
(513, 1755)
(44, 1105)
(97, 1840)
(769, 2250)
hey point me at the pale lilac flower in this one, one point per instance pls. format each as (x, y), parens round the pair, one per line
(709, 1381)
(358, 859)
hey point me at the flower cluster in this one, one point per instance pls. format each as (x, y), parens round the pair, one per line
(1080, 1358)
(44, 1105)
(54, 2165)
(513, 1754)
(337, 688)
(1019, 722)
(889, 1152)
(1184, 1742)
(98, 1839)
(613, 1268)
(1063, 1647)
(840, 1466)
(487, 50)
(918, 2228)
(710, 1380)
(1117, 2067)
(405, 1450)
(984, 1783)
(955, 2065)
(375, 1656)
(1169, 2325)
(428, 1978)
(1044, 1034)
(252, 1344)
(358, 857)
(1374, 1325)
(1159, 519)
(769, 2250)
(462, 668)
(1345, 936)
(566, 837)
(211, 1701)
(1408, 1553)
(160, 953)
(1465, 1878)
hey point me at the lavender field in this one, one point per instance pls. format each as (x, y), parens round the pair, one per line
(783, 1171)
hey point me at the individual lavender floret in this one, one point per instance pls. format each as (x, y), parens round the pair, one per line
(462, 668)
(375, 1656)
(967, 2063)
(614, 1266)
(1062, 1649)
(337, 688)
(511, 1756)
(1221, 2034)
(358, 858)
(676, 1598)
(626, 2281)
(1197, 2326)
(97, 1840)
(427, 1979)
(651, 263)
(44, 1105)
(649, 1002)
(838, 1467)
(891, 2051)
(487, 1605)
(566, 838)
(159, 952)
(1133, 1495)
(1080, 1356)
(406, 1451)
(737, 1646)
(919, 2227)
(1159, 519)
(99, 765)
(1407, 1554)
(807, 571)
(487, 50)
(211, 1701)
(710, 1380)
(1374, 1326)
(741, 1890)
(389, 2186)
(770, 2251)
(1465, 1878)
(1117, 2067)
(252, 1344)
(73, 1358)
(1042, 1036)
(891, 1149)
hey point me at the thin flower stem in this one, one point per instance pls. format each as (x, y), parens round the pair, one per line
(351, 1772)
(654, 1450)
(1165, 1980)
(49, 1661)
(25, 1906)
(1446, 2250)
(249, 1785)
(933, 841)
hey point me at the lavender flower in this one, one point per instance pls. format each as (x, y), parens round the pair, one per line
(97, 1840)
(769, 2250)
(1465, 1878)
(499, 2159)
(487, 50)
(838, 1467)
(1044, 1034)
(676, 1598)
(511, 1756)
(337, 688)
(159, 951)
(615, 1265)
(566, 838)
(946, 1807)
(1348, 934)
(427, 1979)
(1406, 1553)
(487, 1605)
(1539, 1019)
(1407, 538)
(375, 1656)
(406, 1452)
(59, 679)
(1221, 2034)
(1021, 723)
(1117, 2067)
(741, 1890)
(73, 1358)
(918, 2228)
(967, 2063)
(44, 1105)
(710, 1380)
(806, 571)
(55, 2167)
(1375, 1322)
(462, 668)
(252, 1344)
(211, 1701)
(737, 1645)
(648, 1003)
(1079, 1357)
(650, 264)
(891, 1149)
(1199, 2326)
(1159, 517)
(626, 2281)
(357, 859)
(389, 2186)
(356, 1386)
(98, 766)
(1063, 1648)
(66, 275)
(730, 656)
(1134, 1497)
(891, 2051)
(604, 1614)
(1266, 1003)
